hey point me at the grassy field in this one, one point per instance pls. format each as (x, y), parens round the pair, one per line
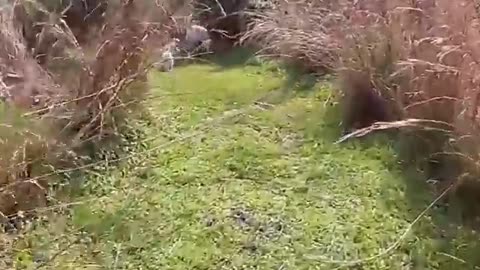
(235, 168)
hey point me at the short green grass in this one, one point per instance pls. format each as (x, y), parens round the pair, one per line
(220, 184)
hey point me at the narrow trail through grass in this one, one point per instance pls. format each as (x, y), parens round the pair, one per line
(234, 185)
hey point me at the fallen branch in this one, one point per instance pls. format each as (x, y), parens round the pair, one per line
(421, 124)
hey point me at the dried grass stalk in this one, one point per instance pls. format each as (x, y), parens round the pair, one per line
(297, 32)
(61, 94)
(420, 57)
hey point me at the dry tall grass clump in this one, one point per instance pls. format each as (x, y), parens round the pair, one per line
(421, 58)
(395, 59)
(63, 91)
(300, 33)
(225, 19)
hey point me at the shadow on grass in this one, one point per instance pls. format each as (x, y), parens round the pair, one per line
(297, 79)
(237, 57)
(439, 238)
(296, 83)
(451, 244)
(456, 244)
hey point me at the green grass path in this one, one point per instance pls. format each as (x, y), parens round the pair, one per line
(225, 184)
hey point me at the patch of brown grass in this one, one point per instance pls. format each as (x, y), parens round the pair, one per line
(299, 33)
(420, 56)
(62, 94)
(419, 59)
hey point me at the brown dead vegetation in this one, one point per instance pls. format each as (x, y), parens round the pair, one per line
(226, 20)
(411, 59)
(299, 34)
(63, 91)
